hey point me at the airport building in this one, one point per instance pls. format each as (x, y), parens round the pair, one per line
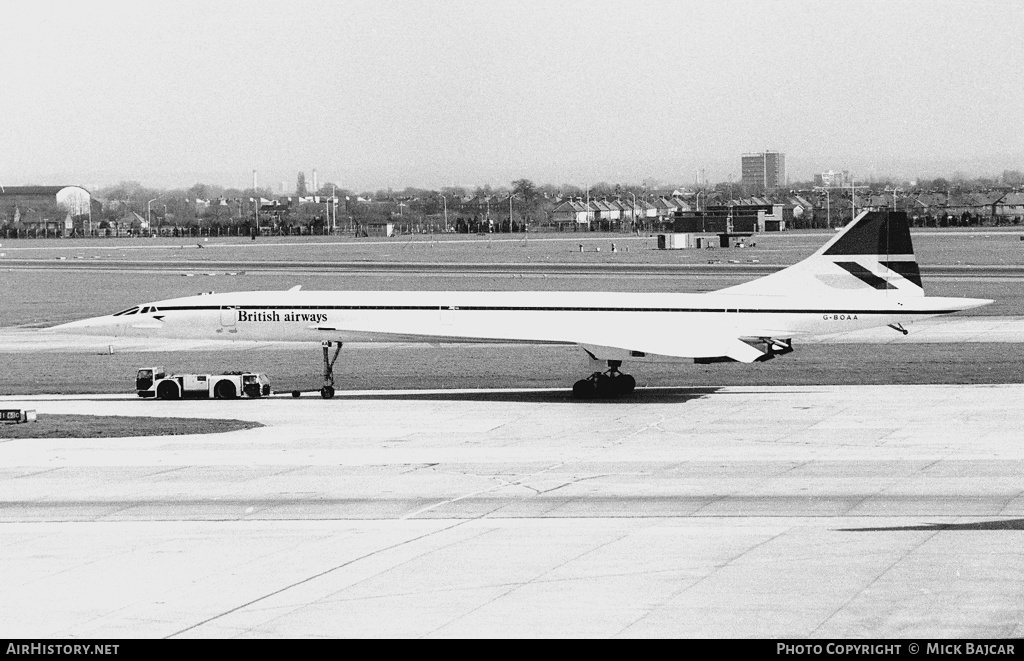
(764, 171)
(832, 179)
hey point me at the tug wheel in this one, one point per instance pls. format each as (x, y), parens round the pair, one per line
(225, 390)
(168, 390)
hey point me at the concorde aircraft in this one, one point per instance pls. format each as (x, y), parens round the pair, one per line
(865, 276)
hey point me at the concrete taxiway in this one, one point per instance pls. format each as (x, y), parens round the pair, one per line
(865, 511)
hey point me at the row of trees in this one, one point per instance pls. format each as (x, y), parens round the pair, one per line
(231, 206)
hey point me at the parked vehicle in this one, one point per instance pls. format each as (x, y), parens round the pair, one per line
(155, 382)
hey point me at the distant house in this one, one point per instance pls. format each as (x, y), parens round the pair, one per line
(56, 225)
(130, 224)
(681, 204)
(602, 214)
(961, 208)
(609, 210)
(624, 211)
(877, 201)
(991, 205)
(666, 207)
(803, 210)
(569, 212)
(478, 205)
(647, 209)
(930, 205)
(1011, 207)
(968, 205)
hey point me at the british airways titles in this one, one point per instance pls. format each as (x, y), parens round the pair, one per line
(315, 317)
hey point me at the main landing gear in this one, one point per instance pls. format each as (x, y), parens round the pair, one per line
(773, 347)
(328, 390)
(610, 383)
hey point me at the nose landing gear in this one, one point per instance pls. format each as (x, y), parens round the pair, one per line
(327, 391)
(610, 383)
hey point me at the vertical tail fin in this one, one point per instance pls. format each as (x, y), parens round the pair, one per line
(873, 253)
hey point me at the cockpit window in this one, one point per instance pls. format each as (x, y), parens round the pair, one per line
(144, 310)
(128, 311)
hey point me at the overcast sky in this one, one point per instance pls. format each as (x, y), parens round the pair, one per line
(376, 94)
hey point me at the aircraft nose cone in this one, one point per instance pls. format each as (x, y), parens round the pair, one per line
(71, 325)
(95, 325)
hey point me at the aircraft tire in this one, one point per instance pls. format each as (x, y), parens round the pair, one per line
(168, 390)
(626, 383)
(327, 392)
(606, 386)
(583, 389)
(225, 390)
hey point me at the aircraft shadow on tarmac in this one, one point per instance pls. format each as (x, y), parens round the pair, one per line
(676, 395)
(1008, 524)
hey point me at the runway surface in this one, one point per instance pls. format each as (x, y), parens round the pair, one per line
(826, 511)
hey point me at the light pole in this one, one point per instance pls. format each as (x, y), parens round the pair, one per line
(853, 200)
(894, 190)
(828, 206)
(588, 208)
(445, 201)
(510, 195)
(634, 210)
(149, 211)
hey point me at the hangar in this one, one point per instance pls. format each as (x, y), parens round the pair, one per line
(63, 210)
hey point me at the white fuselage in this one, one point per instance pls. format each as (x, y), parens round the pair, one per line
(586, 318)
